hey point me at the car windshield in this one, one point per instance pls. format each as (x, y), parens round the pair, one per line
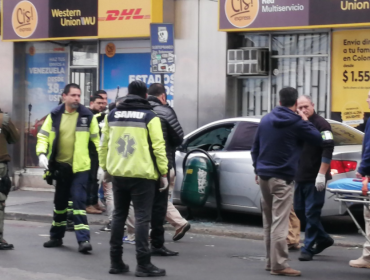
(345, 135)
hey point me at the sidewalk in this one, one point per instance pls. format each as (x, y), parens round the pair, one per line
(38, 206)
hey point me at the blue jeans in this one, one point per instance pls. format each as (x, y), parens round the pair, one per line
(308, 203)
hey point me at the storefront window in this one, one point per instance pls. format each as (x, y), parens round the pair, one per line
(308, 75)
(253, 97)
(300, 44)
(297, 60)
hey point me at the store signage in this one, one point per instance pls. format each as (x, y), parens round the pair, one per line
(73, 19)
(351, 74)
(110, 49)
(249, 15)
(163, 48)
(24, 19)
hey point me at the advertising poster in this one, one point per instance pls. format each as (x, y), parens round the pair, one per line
(351, 75)
(118, 72)
(163, 48)
(47, 74)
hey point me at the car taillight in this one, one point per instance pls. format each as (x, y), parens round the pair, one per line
(342, 166)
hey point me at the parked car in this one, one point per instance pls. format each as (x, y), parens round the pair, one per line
(229, 142)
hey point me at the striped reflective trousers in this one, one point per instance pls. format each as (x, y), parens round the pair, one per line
(72, 186)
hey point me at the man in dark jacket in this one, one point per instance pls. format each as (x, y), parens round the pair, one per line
(9, 134)
(97, 106)
(275, 153)
(312, 175)
(173, 136)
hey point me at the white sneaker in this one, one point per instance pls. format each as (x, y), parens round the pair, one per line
(359, 263)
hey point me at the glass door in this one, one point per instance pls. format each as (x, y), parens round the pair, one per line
(84, 68)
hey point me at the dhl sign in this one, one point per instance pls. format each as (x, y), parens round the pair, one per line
(128, 18)
(125, 14)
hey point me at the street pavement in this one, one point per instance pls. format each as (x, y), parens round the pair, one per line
(201, 257)
(38, 207)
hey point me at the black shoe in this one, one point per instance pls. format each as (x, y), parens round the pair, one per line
(84, 247)
(164, 252)
(107, 227)
(117, 268)
(323, 245)
(304, 257)
(6, 246)
(53, 243)
(148, 270)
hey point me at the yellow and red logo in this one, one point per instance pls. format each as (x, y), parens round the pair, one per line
(241, 13)
(125, 14)
(24, 19)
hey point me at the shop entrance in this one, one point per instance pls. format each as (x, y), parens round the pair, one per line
(84, 68)
(87, 79)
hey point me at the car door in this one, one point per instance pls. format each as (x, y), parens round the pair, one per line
(237, 178)
(212, 139)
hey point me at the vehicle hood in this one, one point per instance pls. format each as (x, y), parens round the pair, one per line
(282, 117)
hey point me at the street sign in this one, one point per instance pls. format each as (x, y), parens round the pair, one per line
(163, 48)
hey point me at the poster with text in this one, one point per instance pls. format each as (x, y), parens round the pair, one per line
(46, 77)
(118, 72)
(351, 75)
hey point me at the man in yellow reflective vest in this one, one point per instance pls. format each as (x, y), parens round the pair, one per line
(62, 147)
(133, 152)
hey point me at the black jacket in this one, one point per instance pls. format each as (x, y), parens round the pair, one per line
(172, 130)
(312, 156)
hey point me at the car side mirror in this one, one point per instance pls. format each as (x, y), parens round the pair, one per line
(182, 148)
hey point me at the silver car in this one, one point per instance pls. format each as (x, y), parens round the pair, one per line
(229, 142)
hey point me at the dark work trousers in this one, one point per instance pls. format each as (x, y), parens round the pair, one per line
(308, 203)
(93, 186)
(158, 217)
(141, 193)
(74, 186)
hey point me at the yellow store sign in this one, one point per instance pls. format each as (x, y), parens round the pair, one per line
(351, 74)
(128, 18)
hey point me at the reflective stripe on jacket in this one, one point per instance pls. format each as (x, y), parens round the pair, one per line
(86, 129)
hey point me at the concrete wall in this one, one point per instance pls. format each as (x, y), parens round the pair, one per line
(200, 78)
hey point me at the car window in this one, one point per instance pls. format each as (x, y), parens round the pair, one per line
(345, 135)
(216, 137)
(242, 137)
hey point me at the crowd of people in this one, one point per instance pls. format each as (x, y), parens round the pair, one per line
(300, 167)
(128, 151)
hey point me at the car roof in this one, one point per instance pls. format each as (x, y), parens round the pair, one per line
(255, 119)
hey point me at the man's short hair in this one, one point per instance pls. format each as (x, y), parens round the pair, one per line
(94, 97)
(288, 96)
(138, 88)
(68, 87)
(100, 91)
(309, 98)
(156, 89)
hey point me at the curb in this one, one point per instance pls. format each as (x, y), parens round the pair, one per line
(194, 228)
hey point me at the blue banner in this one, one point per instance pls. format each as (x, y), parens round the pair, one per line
(118, 72)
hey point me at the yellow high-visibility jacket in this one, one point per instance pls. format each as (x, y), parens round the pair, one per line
(86, 129)
(132, 143)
